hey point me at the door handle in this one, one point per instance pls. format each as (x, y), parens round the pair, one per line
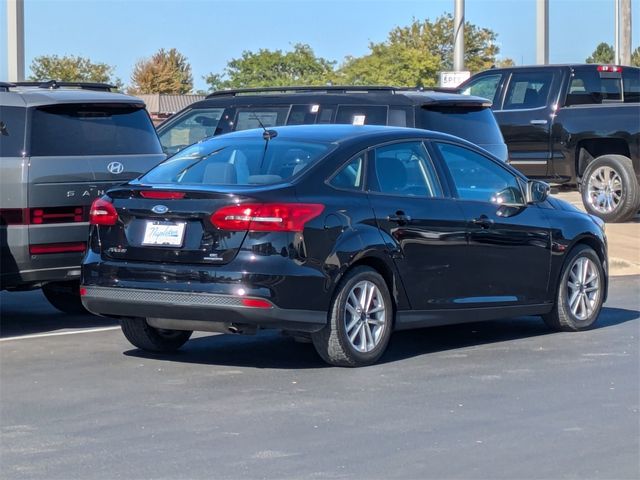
(482, 221)
(399, 217)
(538, 122)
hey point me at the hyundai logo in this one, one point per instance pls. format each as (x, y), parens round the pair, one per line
(115, 168)
(160, 209)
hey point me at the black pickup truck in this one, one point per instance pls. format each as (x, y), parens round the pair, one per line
(572, 125)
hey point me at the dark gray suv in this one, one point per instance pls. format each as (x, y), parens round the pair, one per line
(61, 146)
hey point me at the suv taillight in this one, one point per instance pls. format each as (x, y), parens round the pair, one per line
(266, 217)
(102, 212)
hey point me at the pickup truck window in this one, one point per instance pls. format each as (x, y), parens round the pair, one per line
(485, 87)
(589, 87)
(528, 90)
(631, 85)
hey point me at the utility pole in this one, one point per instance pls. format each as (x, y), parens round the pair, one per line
(625, 33)
(458, 36)
(15, 40)
(542, 32)
(616, 34)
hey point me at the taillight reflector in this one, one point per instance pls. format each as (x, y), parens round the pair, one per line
(256, 303)
(57, 248)
(102, 212)
(160, 195)
(41, 216)
(266, 217)
(609, 68)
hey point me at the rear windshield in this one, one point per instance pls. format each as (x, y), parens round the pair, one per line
(70, 130)
(237, 161)
(475, 124)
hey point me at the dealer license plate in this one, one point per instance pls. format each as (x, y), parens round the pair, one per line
(170, 234)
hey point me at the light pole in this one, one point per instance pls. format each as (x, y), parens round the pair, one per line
(542, 32)
(458, 36)
(15, 40)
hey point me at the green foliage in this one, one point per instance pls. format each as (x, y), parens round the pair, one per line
(165, 72)
(71, 68)
(635, 57)
(604, 53)
(274, 68)
(413, 55)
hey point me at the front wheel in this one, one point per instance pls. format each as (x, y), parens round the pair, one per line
(610, 189)
(580, 292)
(360, 321)
(151, 339)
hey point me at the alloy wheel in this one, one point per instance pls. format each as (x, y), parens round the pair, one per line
(583, 288)
(604, 189)
(365, 316)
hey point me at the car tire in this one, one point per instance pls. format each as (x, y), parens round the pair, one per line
(151, 339)
(65, 296)
(358, 328)
(609, 188)
(580, 292)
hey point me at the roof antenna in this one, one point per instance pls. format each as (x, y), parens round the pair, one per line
(267, 134)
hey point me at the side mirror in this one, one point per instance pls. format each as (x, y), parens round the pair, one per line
(537, 191)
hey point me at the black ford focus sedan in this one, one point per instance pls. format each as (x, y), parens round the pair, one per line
(341, 234)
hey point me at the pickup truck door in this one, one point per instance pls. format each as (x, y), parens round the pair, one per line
(525, 115)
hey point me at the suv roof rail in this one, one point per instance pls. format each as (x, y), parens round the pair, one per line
(4, 86)
(53, 84)
(304, 89)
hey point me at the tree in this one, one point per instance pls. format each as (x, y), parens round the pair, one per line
(165, 72)
(604, 53)
(635, 57)
(71, 68)
(413, 55)
(265, 67)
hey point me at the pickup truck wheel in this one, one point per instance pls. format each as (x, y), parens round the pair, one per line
(151, 339)
(65, 296)
(360, 321)
(579, 292)
(610, 189)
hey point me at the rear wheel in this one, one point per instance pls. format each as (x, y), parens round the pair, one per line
(610, 189)
(65, 296)
(360, 321)
(580, 292)
(151, 339)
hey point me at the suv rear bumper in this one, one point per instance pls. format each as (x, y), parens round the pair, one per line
(207, 307)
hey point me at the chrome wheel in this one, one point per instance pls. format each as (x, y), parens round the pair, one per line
(365, 316)
(583, 288)
(604, 189)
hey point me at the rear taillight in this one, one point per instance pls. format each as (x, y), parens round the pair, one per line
(609, 68)
(161, 195)
(266, 217)
(40, 216)
(102, 212)
(47, 248)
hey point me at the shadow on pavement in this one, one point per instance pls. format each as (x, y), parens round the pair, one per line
(24, 313)
(270, 349)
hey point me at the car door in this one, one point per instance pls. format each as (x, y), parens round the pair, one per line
(508, 258)
(423, 228)
(525, 116)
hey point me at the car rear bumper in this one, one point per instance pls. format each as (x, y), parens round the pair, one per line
(205, 307)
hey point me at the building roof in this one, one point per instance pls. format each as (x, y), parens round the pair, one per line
(162, 103)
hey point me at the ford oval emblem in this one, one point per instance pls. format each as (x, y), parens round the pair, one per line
(115, 168)
(160, 209)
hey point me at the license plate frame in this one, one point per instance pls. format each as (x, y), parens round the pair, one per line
(163, 234)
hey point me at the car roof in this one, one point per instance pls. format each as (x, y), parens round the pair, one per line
(554, 65)
(28, 96)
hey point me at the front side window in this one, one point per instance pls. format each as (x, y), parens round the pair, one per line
(238, 161)
(350, 176)
(190, 128)
(528, 90)
(478, 178)
(404, 169)
(485, 87)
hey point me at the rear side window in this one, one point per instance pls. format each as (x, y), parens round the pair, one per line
(248, 118)
(588, 87)
(11, 131)
(190, 128)
(476, 124)
(528, 90)
(70, 130)
(485, 87)
(631, 83)
(362, 114)
(350, 176)
(303, 114)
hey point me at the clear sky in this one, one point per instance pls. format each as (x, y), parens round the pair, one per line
(211, 32)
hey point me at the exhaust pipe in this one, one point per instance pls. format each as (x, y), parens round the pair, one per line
(201, 326)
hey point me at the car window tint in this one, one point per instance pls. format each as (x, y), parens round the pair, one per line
(12, 120)
(190, 128)
(303, 114)
(476, 124)
(528, 90)
(485, 87)
(404, 169)
(247, 118)
(350, 176)
(588, 86)
(86, 129)
(631, 84)
(362, 114)
(478, 178)
(398, 117)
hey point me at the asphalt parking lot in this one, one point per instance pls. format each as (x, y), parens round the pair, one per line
(504, 399)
